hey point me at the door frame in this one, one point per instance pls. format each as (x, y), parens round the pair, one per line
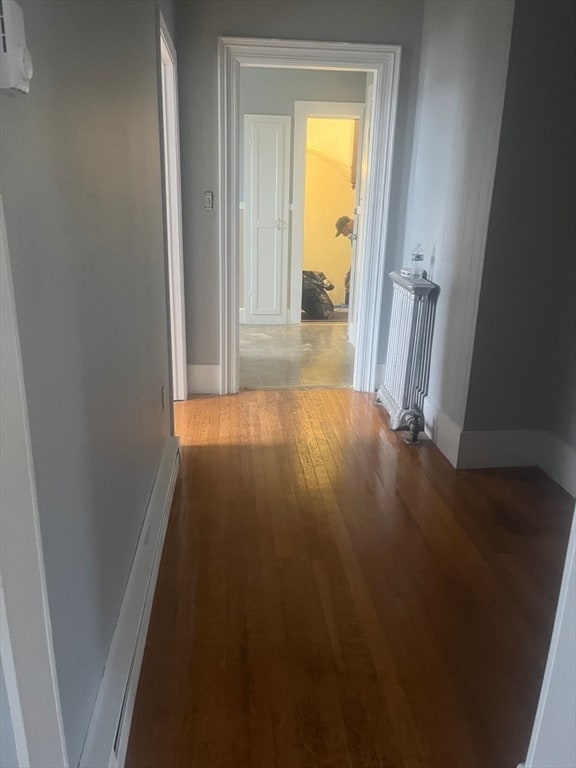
(173, 211)
(384, 62)
(26, 646)
(302, 111)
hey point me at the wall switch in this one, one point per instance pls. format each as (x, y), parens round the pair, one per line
(208, 200)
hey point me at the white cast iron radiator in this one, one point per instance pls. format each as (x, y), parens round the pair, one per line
(408, 358)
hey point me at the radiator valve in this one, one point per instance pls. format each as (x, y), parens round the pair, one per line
(412, 422)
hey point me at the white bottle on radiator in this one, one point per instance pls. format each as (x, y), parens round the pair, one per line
(417, 262)
(415, 271)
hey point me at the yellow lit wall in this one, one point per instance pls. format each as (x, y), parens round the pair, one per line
(328, 195)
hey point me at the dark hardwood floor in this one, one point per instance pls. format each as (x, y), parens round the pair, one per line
(330, 596)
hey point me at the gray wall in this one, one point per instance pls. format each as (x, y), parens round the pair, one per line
(523, 371)
(81, 176)
(463, 62)
(199, 23)
(274, 91)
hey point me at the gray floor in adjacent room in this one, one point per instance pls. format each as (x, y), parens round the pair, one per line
(305, 355)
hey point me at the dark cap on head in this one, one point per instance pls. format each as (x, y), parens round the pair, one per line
(341, 223)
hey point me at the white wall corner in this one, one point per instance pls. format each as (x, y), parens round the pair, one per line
(26, 647)
(558, 460)
(242, 315)
(203, 379)
(553, 739)
(443, 432)
(107, 738)
(379, 374)
(519, 448)
(481, 449)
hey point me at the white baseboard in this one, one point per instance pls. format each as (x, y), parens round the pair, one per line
(482, 449)
(499, 448)
(520, 448)
(443, 432)
(203, 379)
(107, 738)
(558, 460)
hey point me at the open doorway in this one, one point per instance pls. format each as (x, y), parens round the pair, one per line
(325, 164)
(331, 170)
(299, 170)
(329, 197)
(328, 181)
(379, 65)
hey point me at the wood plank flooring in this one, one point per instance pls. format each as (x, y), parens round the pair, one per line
(330, 596)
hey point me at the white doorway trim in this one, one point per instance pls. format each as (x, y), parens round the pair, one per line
(302, 111)
(26, 647)
(173, 212)
(384, 62)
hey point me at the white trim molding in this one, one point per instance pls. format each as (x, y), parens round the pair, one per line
(558, 460)
(384, 62)
(498, 448)
(107, 738)
(490, 448)
(173, 209)
(204, 379)
(26, 646)
(553, 740)
(520, 448)
(12, 728)
(443, 432)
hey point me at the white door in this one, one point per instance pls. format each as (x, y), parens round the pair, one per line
(266, 184)
(173, 214)
(359, 212)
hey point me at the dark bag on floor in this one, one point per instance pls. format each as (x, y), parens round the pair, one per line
(315, 300)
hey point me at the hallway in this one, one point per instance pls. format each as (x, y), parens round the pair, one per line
(329, 596)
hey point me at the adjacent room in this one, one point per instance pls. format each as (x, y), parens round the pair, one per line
(295, 304)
